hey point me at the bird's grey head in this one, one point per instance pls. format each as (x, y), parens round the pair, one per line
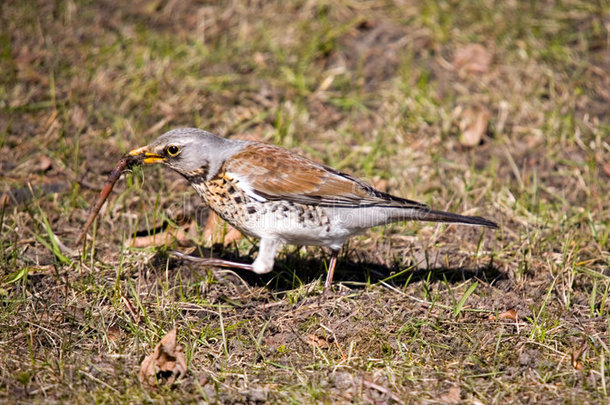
(194, 153)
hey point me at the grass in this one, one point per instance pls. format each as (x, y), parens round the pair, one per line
(370, 88)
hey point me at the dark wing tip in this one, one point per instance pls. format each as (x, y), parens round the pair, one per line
(442, 216)
(485, 222)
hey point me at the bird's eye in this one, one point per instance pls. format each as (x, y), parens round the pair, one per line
(172, 150)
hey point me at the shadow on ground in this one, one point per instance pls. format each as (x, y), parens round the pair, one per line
(293, 270)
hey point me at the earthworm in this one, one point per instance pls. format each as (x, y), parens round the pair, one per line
(124, 164)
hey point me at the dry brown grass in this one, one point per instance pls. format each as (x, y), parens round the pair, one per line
(378, 89)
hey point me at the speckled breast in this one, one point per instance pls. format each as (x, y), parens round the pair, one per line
(292, 222)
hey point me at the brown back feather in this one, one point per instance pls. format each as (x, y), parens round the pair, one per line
(275, 173)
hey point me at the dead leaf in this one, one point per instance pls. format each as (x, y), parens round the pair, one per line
(51, 120)
(472, 58)
(232, 235)
(181, 234)
(510, 314)
(473, 125)
(44, 163)
(259, 59)
(113, 333)
(165, 364)
(451, 397)
(78, 117)
(320, 342)
(211, 227)
(607, 168)
(155, 240)
(5, 199)
(577, 353)
(215, 231)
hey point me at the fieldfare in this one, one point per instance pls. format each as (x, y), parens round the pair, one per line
(280, 197)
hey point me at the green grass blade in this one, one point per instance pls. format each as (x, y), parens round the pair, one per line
(462, 301)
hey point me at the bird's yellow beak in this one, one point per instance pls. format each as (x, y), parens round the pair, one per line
(149, 157)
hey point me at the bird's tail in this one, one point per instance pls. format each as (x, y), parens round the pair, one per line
(427, 214)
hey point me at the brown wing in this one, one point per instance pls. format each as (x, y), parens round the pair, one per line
(273, 173)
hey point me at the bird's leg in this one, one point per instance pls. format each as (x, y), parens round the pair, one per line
(334, 253)
(209, 261)
(263, 263)
(266, 256)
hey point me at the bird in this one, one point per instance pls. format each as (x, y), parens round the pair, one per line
(281, 197)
